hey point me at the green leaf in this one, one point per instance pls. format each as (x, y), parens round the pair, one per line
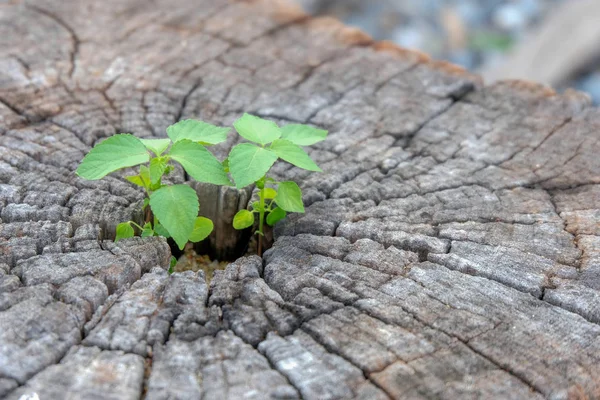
(145, 203)
(202, 228)
(486, 41)
(176, 207)
(145, 175)
(157, 169)
(256, 206)
(243, 219)
(294, 154)
(124, 231)
(302, 135)
(172, 264)
(289, 197)
(136, 180)
(157, 146)
(248, 163)
(225, 164)
(256, 129)
(116, 152)
(199, 162)
(197, 131)
(161, 231)
(276, 215)
(270, 193)
(147, 231)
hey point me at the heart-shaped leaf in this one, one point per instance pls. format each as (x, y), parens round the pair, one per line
(197, 131)
(199, 162)
(248, 163)
(202, 228)
(294, 154)
(243, 219)
(289, 197)
(276, 215)
(118, 151)
(302, 135)
(124, 231)
(176, 207)
(256, 129)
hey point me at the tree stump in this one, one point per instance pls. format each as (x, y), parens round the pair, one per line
(451, 248)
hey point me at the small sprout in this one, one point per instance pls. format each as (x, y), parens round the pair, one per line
(249, 163)
(202, 228)
(124, 231)
(172, 210)
(147, 230)
(276, 215)
(174, 207)
(243, 219)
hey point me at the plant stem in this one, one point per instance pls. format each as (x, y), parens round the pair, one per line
(261, 219)
(136, 225)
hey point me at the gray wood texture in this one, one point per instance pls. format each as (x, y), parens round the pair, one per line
(450, 250)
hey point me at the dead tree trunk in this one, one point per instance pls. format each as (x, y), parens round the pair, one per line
(451, 248)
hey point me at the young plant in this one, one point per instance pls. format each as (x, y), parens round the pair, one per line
(250, 162)
(174, 208)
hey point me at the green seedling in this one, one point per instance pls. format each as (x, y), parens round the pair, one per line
(250, 162)
(170, 210)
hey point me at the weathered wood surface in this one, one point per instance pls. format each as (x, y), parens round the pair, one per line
(450, 250)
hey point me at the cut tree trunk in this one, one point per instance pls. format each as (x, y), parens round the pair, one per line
(220, 204)
(451, 248)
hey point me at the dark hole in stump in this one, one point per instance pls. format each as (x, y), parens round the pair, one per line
(219, 204)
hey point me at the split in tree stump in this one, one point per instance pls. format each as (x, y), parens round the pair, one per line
(451, 248)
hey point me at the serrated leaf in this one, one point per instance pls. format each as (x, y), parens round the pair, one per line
(136, 180)
(199, 163)
(248, 163)
(243, 219)
(118, 151)
(157, 146)
(197, 131)
(302, 135)
(147, 230)
(124, 231)
(270, 193)
(157, 169)
(176, 207)
(289, 197)
(256, 129)
(294, 154)
(276, 215)
(202, 228)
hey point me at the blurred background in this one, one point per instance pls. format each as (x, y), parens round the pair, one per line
(556, 42)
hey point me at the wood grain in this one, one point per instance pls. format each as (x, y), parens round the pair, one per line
(450, 249)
